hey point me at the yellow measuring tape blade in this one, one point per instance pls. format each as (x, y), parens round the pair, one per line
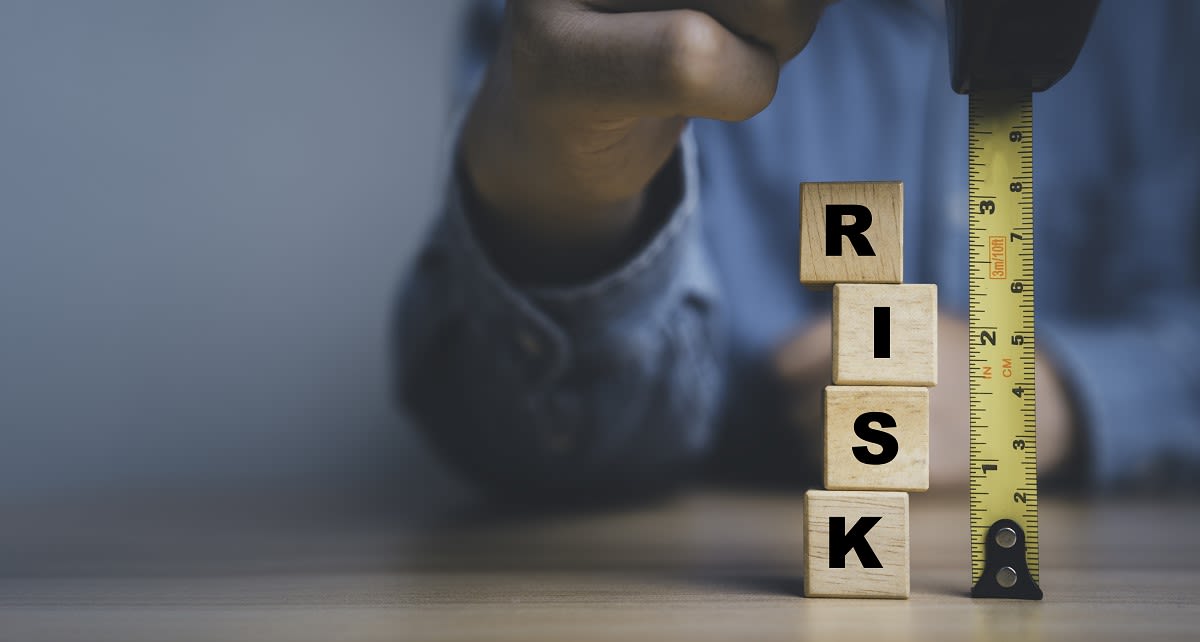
(1003, 475)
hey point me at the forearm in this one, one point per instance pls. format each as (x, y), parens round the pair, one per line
(608, 386)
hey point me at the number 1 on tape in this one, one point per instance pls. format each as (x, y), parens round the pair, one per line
(1003, 478)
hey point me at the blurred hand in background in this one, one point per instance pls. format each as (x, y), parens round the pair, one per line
(585, 101)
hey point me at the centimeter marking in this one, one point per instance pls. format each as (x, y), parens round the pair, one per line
(1003, 478)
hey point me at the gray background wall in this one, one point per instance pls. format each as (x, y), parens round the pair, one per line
(205, 209)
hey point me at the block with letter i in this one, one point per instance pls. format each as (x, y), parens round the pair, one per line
(877, 411)
(885, 335)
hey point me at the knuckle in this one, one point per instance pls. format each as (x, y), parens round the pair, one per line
(520, 19)
(760, 97)
(777, 8)
(537, 43)
(695, 45)
(786, 26)
(530, 30)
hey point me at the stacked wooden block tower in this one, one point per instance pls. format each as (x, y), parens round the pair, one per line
(877, 410)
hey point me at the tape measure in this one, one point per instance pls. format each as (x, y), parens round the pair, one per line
(1003, 478)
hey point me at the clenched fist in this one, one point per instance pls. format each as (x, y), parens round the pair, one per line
(584, 103)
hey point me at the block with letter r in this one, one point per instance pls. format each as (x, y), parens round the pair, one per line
(851, 233)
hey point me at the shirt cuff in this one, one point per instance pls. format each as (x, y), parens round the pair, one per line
(1116, 373)
(545, 323)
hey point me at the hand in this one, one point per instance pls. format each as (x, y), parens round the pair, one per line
(585, 100)
(805, 364)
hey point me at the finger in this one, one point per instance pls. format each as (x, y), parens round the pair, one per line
(783, 26)
(665, 63)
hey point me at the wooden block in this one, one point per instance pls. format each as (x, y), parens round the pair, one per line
(851, 233)
(876, 438)
(855, 544)
(885, 335)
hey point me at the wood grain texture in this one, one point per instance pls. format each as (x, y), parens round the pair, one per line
(697, 567)
(908, 407)
(885, 201)
(888, 538)
(912, 359)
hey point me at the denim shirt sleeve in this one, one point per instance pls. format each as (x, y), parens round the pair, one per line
(1135, 370)
(1137, 387)
(609, 385)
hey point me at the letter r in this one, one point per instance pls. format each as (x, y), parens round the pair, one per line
(836, 228)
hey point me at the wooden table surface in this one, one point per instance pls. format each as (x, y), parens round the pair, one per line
(704, 566)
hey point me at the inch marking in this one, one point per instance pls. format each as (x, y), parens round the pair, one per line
(1003, 477)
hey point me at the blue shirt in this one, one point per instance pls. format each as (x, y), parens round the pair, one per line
(628, 378)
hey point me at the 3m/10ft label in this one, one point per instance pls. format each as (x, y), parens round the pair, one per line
(1003, 433)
